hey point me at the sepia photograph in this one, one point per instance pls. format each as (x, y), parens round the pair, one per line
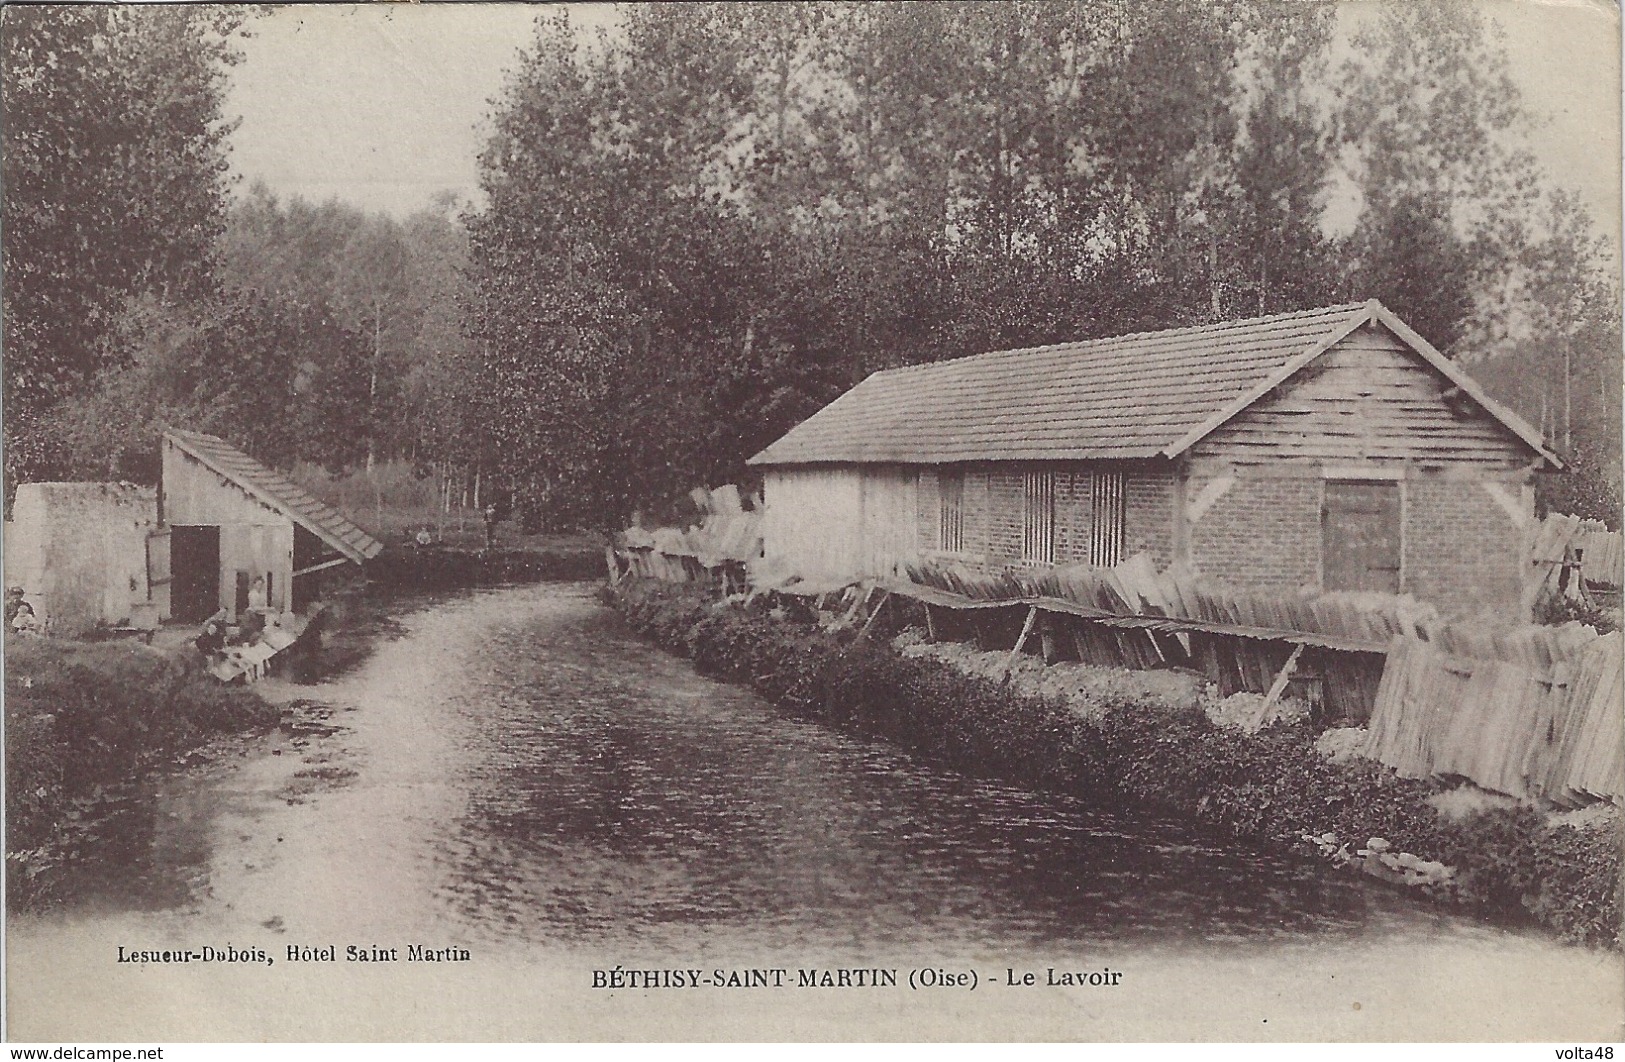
(1038, 520)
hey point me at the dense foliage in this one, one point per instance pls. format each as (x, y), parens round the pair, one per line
(115, 185)
(700, 225)
(334, 337)
(704, 226)
(1272, 788)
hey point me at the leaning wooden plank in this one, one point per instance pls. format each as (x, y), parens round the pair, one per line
(1021, 640)
(1281, 679)
(859, 600)
(885, 595)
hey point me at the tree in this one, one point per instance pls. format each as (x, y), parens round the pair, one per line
(1427, 111)
(403, 285)
(276, 376)
(126, 100)
(700, 229)
(606, 240)
(372, 288)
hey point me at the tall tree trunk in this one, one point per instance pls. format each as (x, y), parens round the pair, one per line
(372, 393)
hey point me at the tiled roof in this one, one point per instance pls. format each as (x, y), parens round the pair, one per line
(1136, 396)
(280, 493)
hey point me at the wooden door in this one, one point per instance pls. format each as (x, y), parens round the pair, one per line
(1359, 524)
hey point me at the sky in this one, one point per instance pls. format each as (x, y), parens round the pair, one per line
(385, 105)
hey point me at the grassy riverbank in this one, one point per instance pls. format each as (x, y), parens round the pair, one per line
(1140, 749)
(85, 720)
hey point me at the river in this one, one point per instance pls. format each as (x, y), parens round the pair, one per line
(516, 776)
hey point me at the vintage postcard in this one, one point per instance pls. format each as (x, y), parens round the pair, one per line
(813, 522)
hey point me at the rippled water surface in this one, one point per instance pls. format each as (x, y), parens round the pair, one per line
(517, 774)
(612, 792)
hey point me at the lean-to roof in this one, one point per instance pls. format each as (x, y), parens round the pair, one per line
(280, 493)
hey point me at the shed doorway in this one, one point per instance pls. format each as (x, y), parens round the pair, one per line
(1359, 528)
(194, 566)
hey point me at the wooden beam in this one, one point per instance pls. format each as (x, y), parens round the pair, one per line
(858, 602)
(1026, 629)
(885, 595)
(1181, 506)
(1279, 685)
(334, 563)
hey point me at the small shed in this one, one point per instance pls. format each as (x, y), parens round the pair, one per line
(1324, 450)
(230, 519)
(80, 552)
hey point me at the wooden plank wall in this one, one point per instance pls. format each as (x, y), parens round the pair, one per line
(258, 549)
(1367, 398)
(254, 537)
(195, 494)
(840, 523)
(1551, 732)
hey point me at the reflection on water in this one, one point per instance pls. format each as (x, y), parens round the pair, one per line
(607, 792)
(517, 776)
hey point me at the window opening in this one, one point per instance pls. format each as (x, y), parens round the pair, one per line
(1106, 522)
(951, 511)
(1038, 517)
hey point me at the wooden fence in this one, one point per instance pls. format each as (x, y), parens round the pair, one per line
(1562, 543)
(1532, 711)
(1327, 649)
(728, 538)
(1555, 731)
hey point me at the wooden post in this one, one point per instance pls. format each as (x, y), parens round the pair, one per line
(1181, 521)
(930, 625)
(1026, 629)
(1279, 685)
(857, 605)
(885, 596)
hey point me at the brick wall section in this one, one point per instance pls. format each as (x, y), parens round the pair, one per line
(1073, 515)
(976, 530)
(1004, 498)
(1149, 516)
(1462, 550)
(1263, 534)
(929, 504)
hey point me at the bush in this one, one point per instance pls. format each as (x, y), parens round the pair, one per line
(1271, 788)
(1556, 611)
(84, 719)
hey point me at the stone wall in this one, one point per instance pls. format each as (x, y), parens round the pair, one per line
(79, 550)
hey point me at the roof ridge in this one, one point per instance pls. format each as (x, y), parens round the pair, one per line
(1181, 330)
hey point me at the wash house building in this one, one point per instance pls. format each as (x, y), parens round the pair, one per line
(229, 519)
(1325, 450)
(91, 555)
